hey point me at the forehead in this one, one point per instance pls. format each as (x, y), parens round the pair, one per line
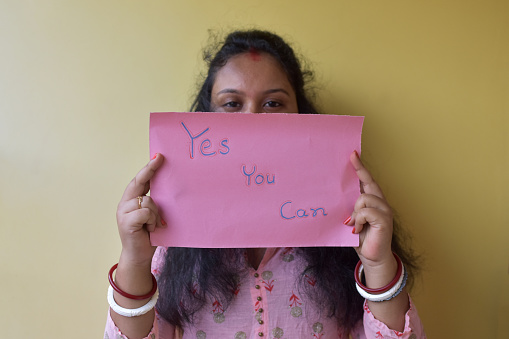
(252, 69)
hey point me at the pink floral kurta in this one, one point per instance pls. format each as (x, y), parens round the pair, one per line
(270, 304)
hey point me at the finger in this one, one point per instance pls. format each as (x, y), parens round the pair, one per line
(138, 218)
(141, 182)
(152, 223)
(149, 203)
(372, 201)
(368, 201)
(146, 202)
(373, 217)
(134, 204)
(368, 184)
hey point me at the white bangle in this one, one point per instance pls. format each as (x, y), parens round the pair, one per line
(383, 296)
(136, 312)
(403, 284)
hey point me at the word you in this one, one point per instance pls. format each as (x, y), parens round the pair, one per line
(205, 147)
(259, 178)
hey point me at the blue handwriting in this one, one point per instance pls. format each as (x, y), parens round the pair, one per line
(300, 213)
(206, 145)
(258, 178)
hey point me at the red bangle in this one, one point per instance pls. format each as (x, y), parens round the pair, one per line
(127, 295)
(381, 289)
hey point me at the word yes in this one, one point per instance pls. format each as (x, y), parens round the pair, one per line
(206, 144)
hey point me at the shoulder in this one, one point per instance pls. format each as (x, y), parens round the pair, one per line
(158, 260)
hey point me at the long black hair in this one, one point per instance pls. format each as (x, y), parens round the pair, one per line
(191, 275)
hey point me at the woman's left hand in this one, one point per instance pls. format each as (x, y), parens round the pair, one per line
(372, 219)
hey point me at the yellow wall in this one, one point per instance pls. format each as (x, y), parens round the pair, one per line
(79, 78)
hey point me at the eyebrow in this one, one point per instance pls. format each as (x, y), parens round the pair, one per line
(269, 91)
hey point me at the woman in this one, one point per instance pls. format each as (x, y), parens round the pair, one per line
(276, 293)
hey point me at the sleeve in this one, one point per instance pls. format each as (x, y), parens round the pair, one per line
(371, 328)
(112, 331)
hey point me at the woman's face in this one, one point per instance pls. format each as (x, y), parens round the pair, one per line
(253, 83)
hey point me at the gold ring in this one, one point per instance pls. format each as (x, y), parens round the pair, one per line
(140, 199)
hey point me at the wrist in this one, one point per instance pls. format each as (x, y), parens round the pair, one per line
(135, 261)
(134, 276)
(134, 280)
(381, 274)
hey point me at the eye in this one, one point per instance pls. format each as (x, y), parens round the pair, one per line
(272, 104)
(231, 104)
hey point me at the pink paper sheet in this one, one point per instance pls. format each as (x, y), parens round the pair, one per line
(254, 180)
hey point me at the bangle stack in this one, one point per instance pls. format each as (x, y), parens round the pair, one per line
(152, 295)
(391, 290)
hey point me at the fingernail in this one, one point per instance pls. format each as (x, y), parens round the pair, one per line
(155, 156)
(356, 154)
(353, 230)
(163, 222)
(347, 220)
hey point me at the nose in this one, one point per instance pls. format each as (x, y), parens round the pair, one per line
(252, 107)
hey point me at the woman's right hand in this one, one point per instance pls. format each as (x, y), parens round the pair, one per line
(133, 275)
(135, 223)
